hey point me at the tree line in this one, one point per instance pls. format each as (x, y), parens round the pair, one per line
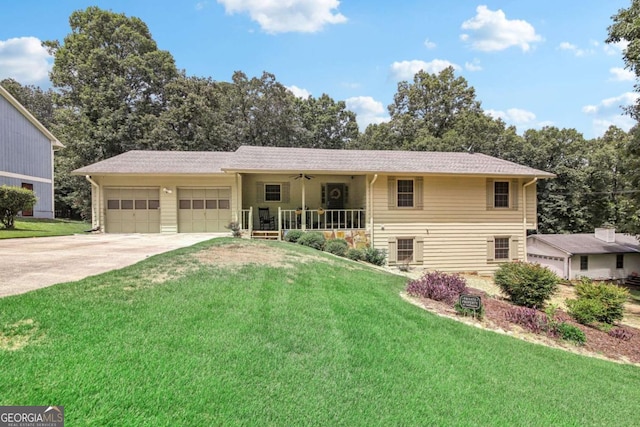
(115, 91)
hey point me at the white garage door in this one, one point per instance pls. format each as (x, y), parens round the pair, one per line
(555, 264)
(202, 210)
(133, 210)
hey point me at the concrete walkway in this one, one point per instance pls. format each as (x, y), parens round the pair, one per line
(33, 263)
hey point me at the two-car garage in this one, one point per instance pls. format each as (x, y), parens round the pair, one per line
(138, 210)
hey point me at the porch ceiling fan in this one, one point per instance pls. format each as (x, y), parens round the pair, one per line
(300, 175)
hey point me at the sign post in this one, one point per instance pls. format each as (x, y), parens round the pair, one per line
(470, 302)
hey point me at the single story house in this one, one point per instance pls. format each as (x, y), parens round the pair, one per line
(446, 211)
(603, 255)
(26, 154)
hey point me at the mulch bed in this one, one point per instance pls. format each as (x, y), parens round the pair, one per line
(599, 343)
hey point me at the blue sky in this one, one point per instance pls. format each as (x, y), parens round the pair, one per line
(533, 63)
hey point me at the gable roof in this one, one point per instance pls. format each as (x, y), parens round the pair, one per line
(282, 159)
(296, 160)
(584, 244)
(160, 163)
(54, 141)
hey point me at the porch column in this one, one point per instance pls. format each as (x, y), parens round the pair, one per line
(304, 204)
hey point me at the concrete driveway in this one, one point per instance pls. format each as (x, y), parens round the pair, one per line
(32, 263)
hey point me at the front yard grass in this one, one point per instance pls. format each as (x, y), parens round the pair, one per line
(32, 227)
(185, 338)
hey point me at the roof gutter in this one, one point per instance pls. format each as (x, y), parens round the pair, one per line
(95, 216)
(524, 213)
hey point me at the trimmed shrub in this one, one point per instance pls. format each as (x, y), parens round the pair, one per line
(528, 318)
(528, 285)
(12, 201)
(313, 239)
(236, 230)
(571, 333)
(293, 235)
(438, 286)
(337, 247)
(597, 302)
(374, 256)
(355, 254)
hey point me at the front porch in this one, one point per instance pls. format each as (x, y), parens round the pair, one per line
(274, 226)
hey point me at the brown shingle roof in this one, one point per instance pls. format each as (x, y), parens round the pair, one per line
(266, 159)
(584, 244)
(296, 160)
(160, 162)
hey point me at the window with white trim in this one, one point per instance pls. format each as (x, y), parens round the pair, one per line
(405, 193)
(584, 263)
(272, 193)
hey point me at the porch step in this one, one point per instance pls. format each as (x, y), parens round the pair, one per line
(265, 234)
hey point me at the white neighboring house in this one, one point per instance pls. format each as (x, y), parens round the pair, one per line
(603, 255)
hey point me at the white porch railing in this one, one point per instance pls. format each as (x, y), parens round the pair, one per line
(318, 219)
(245, 218)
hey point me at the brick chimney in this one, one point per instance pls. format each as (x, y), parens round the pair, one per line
(606, 234)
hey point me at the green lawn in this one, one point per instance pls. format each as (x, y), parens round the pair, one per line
(27, 227)
(173, 341)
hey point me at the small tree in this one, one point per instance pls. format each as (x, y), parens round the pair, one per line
(12, 201)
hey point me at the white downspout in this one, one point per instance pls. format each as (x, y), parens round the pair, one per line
(524, 214)
(373, 181)
(94, 213)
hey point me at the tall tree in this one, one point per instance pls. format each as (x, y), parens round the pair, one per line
(326, 123)
(39, 102)
(626, 28)
(433, 103)
(110, 78)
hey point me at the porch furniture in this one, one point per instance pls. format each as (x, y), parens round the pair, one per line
(267, 222)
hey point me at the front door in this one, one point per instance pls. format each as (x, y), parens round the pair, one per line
(335, 196)
(27, 212)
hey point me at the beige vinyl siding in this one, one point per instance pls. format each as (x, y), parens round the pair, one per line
(454, 223)
(169, 198)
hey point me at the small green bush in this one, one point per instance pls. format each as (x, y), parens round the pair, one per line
(337, 247)
(236, 230)
(527, 285)
(313, 239)
(374, 256)
(355, 254)
(293, 235)
(12, 201)
(597, 302)
(571, 333)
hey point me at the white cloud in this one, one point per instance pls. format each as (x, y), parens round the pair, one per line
(473, 66)
(368, 110)
(515, 116)
(622, 75)
(492, 31)
(608, 112)
(590, 109)
(405, 70)
(625, 99)
(615, 48)
(600, 126)
(277, 16)
(201, 5)
(429, 44)
(25, 60)
(575, 49)
(299, 92)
